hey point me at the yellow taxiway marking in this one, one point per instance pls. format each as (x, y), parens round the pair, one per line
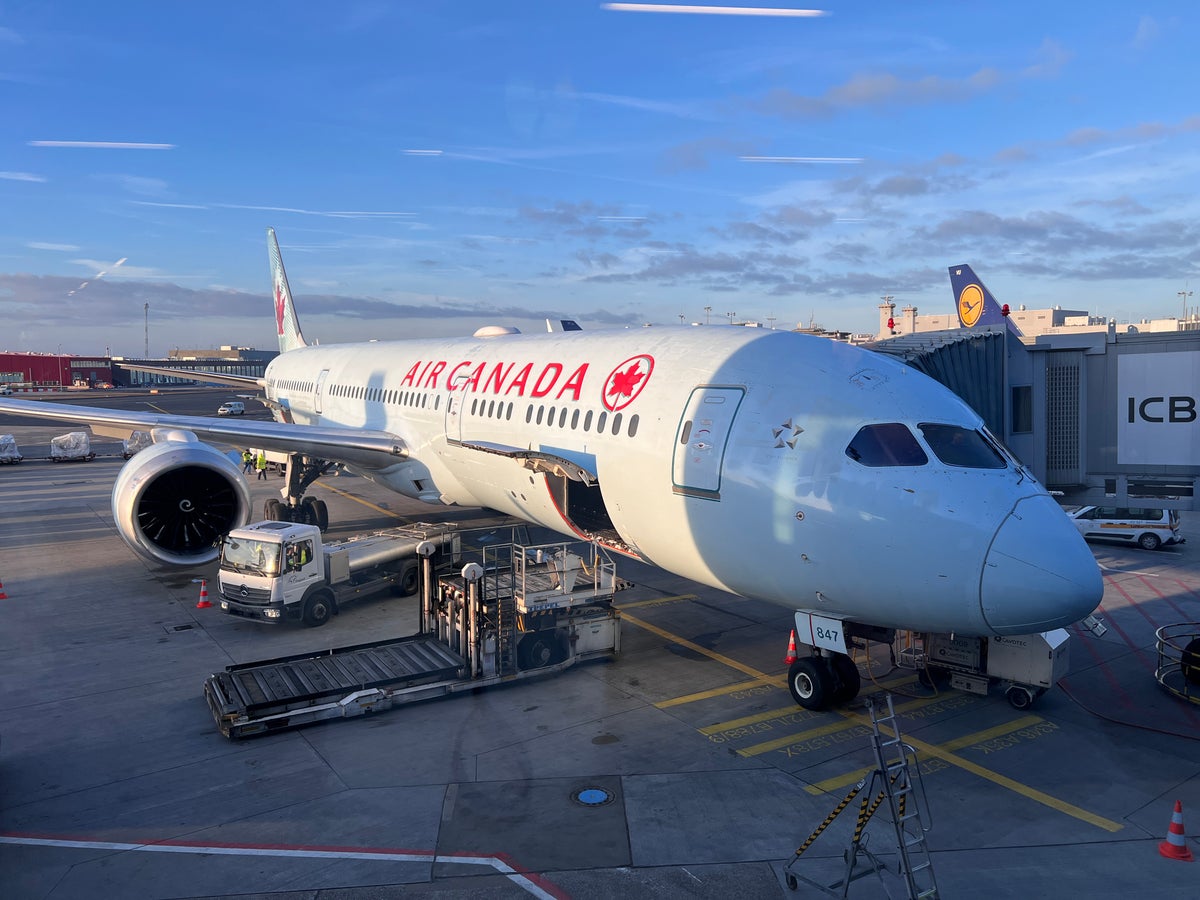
(658, 601)
(946, 755)
(366, 503)
(841, 781)
(779, 743)
(157, 407)
(769, 680)
(1004, 781)
(684, 642)
(747, 721)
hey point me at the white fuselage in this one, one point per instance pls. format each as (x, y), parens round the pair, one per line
(721, 455)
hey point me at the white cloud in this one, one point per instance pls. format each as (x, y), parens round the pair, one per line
(41, 245)
(21, 176)
(102, 145)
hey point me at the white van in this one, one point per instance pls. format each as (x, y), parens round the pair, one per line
(1148, 528)
(232, 408)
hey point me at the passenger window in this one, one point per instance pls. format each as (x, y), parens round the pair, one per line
(958, 446)
(889, 444)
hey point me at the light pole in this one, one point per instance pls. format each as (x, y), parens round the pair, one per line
(1183, 295)
(681, 318)
(707, 312)
(731, 315)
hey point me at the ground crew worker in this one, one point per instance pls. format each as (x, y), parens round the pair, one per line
(247, 461)
(260, 466)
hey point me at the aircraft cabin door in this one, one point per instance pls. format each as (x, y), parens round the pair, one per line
(701, 440)
(319, 391)
(454, 408)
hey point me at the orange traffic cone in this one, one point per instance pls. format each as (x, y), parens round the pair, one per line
(3, 596)
(203, 603)
(1175, 847)
(791, 653)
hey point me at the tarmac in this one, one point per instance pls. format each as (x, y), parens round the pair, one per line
(681, 769)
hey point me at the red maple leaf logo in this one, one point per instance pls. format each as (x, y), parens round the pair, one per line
(626, 381)
(279, 305)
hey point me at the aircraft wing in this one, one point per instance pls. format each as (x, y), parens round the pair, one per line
(242, 381)
(362, 447)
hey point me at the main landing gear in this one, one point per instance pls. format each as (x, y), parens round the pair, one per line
(820, 681)
(301, 472)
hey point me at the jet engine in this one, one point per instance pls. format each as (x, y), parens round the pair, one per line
(175, 500)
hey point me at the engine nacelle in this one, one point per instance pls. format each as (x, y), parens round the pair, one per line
(175, 500)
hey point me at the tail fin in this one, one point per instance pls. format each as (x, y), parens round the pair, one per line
(287, 324)
(975, 303)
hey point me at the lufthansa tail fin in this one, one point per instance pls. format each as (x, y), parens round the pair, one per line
(286, 323)
(975, 303)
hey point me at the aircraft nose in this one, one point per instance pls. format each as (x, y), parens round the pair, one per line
(1039, 574)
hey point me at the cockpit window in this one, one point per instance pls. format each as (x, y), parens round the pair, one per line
(957, 446)
(887, 444)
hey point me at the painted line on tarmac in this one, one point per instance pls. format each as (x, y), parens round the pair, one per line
(528, 882)
(366, 503)
(684, 642)
(841, 781)
(778, 681)
(658, 601)
(934, 750)
(996, 778)
(782, 742)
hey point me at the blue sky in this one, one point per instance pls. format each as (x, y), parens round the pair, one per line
(432, 167)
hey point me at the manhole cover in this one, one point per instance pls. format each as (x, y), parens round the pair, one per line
(592, 796)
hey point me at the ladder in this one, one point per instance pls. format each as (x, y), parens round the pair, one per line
(896, 762)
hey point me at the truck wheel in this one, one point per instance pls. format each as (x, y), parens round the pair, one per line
(1019, 697)
(317, 609)
(541, 648)
(410, 580)
(810, 682)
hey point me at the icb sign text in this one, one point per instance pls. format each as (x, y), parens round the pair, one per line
(1157, 420)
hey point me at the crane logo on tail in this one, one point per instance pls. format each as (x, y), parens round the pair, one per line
(970, 304)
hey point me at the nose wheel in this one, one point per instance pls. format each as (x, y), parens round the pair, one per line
(819, 682)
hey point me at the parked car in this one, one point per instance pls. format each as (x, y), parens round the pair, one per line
(232, 408)
(5, 389)
(1147, 527)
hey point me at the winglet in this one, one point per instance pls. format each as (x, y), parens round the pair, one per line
(286, 323)
(975, 304)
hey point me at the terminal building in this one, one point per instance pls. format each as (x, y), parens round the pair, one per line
(1101, 413)
(225, 360)
(29, 373)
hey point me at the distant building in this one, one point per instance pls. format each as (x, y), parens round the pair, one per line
(1031, 322)
(33, 372)
(225, 360)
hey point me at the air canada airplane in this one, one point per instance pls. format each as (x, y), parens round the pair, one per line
(779, 466)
